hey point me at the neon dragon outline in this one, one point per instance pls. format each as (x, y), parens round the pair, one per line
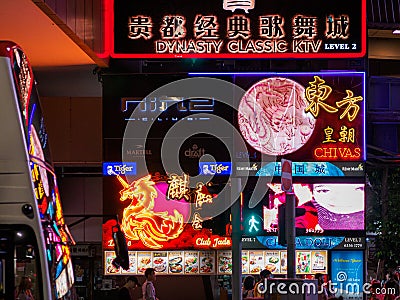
(140, 222)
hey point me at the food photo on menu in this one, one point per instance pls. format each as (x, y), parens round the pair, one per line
(132, 264)
(283, 261)
(225, 262)
(160, 262)
(256, 261)
(272, 261)
(109, 256)
(207, 262)
(144, 261)
(303, 262)
(175, 262)
(245, 262)
(191, 262)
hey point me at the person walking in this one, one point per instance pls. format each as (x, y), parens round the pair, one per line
(322, 290)
(125, 291)
(148, 290)
(24, 291)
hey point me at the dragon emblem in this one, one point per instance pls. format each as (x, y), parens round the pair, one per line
(140, 222)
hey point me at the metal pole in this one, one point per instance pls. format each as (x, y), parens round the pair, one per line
(291, 235)
(236, 245)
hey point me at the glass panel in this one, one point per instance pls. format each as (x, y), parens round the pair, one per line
(385, 137)
(19, 266)
(395, 95)
(378, 95)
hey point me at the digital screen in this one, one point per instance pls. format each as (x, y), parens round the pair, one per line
(328, 206)
(322, 208)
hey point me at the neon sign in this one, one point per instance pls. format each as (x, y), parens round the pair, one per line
(140, 222)
(314, 116)
(191, 31)
(158, 213)
(331, 153)
(148, 105)
(214, 242)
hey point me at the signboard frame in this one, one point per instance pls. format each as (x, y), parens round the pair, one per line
(111, 18)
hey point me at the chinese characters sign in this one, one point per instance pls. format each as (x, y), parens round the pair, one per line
(304, 116)
(239, 29)
(163, 215)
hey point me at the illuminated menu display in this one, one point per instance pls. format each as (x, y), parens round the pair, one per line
(238, 29)
(217, 262)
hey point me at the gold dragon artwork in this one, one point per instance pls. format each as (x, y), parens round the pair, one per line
(140, 222)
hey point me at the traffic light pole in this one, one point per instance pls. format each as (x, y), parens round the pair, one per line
(236, 244)
(291, 234)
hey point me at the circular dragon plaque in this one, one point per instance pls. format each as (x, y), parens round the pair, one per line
(272, 116)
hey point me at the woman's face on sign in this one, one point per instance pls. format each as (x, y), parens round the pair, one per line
(340, 198)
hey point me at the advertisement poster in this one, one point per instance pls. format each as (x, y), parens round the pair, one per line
(319, 261)
(347, 273)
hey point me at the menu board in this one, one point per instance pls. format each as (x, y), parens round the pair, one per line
(272, 261)
(319, 261)
(210, 262)
(245, 262)
(132, 263)
(191, 262)
(175, 262)
(160, 262)
(225, 262)
(109, 256)
(256, 261)
(144, 261)
(207, 262)
(303, 262)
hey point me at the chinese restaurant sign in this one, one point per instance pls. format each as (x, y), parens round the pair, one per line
(163, 215)
(303, 117)
(238, 29)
